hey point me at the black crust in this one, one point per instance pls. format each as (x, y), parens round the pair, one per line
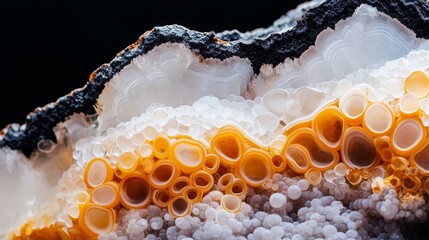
(272, 50)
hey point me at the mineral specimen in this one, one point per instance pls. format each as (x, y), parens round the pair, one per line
(314, 128)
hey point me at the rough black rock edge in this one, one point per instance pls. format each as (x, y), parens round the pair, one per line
(271, 50)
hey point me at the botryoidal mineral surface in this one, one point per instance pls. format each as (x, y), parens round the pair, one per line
(313, 128)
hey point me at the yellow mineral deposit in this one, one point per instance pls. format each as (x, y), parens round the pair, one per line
(363, 141)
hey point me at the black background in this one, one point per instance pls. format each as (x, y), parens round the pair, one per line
(49, 48)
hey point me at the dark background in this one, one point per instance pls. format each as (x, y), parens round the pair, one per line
(49, 48)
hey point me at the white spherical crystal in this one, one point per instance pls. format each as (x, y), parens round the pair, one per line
(294, 192)
(277, 200)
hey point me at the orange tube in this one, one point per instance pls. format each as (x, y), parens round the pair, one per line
(417, 83)
(411, 183)
(353, 105)
(321, 157)
(426, 186)
(135, 191)
(409, 104)
(192, 194)
(97, 171)
(225, 180)
(163, 174)
(106, 195)
(420, 159)
(329, 126)
(179, 207)
(313, 176)
(189, 154)
(378, 171)
(298, 125)
(211, 163)
(228, 145)
(237, 188)
(354, 176)
(408, 136)
(178, 184)
(255, 167)
(231, 203)
(394, 181)
(127, 162)
(358, 149)
(95, 220)
(82, 198)
(381, 143)
(297, 157)
(147, 165)
(161, 145)
(145, 151)
(378, 119)
(202, 180)
(279, 162)
(399, 163)
(161, 197)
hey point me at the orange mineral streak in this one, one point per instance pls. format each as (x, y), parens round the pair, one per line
(321, 157)
(329, 126)
(135, 191)
(228, 145)
(97, 172)
(188, 154)
(255, 167)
